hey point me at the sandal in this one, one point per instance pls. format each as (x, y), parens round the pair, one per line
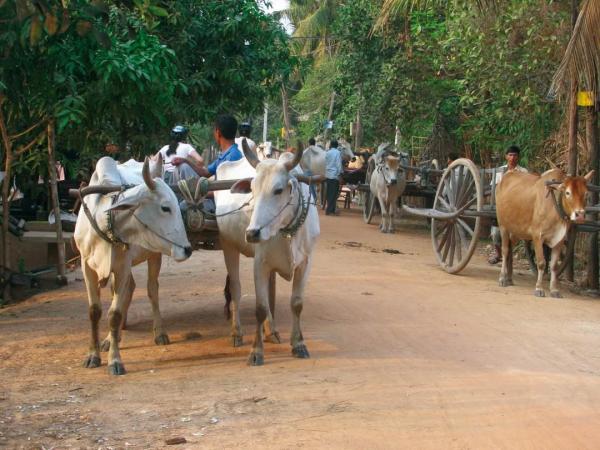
(495, 259)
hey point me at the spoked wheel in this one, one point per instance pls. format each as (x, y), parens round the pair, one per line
(454, 240)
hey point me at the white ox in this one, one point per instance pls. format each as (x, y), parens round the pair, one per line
(387, 184)
(277, 201)
(313, 160)
(147, 219)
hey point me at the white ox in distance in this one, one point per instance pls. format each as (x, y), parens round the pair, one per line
(387, 184)
(277, 202)
(145, 217)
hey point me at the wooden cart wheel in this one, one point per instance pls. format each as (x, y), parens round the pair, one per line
(454, 241)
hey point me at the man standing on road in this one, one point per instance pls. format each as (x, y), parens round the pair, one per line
(512, 163)
(333, 171)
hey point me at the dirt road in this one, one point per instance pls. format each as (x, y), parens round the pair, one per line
(402, 356)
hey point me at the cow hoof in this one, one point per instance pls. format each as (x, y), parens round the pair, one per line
(539, 293)
(116, 368)
(300, 351)
(105, 346)
(273, 338)
(91, 362)
(162, 339)
(503, 282)
(256, 359)
(556, 294)
(237, 341)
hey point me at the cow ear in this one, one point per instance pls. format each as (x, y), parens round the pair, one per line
(242, 186)
(122, 207)
(125, 204)
(588, 176)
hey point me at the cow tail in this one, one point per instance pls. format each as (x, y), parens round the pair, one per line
(227, 294)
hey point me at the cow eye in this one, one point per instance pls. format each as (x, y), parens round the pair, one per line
(568, 194)
(165, 209)
(278, 191)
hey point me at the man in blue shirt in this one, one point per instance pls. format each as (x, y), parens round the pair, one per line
(224, 134)
(333, 171)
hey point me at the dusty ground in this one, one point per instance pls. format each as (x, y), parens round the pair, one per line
(403, 356)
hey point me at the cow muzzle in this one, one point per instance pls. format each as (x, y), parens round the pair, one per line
(253, 235)
(578, 216)
(393, 182)
(181, 253)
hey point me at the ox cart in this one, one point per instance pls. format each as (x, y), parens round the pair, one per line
(463, 200)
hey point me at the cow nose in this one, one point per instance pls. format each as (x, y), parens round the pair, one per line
(579, 215)
(253, 235)
(393, 182)
(188, 251)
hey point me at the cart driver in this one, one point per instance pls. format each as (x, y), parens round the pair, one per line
(512, 163)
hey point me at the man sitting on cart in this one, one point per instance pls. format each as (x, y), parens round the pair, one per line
(512, 163)
(224, 132)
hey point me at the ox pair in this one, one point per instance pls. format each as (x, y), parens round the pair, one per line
(539, 208)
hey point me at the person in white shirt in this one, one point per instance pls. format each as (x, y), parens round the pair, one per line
(245, 129)
(176, 154)
(512, 163)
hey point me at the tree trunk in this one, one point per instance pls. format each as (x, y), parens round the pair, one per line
(592, 143)
(286, 115)
(5, 271)
(60, 245)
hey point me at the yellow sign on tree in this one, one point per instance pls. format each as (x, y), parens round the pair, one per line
(585, 98)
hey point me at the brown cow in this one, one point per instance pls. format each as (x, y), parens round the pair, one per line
(530, 209)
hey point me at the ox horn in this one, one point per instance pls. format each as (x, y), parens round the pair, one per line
(146, 174)
(249, 154)
(297, 157)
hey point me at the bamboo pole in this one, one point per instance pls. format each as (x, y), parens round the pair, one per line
(5, 272)
(60, 244)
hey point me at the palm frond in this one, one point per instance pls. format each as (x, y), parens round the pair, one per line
(581, 62)
(394, 8)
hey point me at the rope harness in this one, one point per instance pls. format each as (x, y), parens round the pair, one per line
(110, 234)
(558, 204)
(300, 212)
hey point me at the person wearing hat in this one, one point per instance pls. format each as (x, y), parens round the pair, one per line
(244, 130)
(512, 163)
(176, 153)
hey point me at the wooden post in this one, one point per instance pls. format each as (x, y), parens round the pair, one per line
(573, 124)
(592, 143)
(329, 115)
(358, 136)
(61, 278)
(286, 115)
(265, 122)
(5, 272)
